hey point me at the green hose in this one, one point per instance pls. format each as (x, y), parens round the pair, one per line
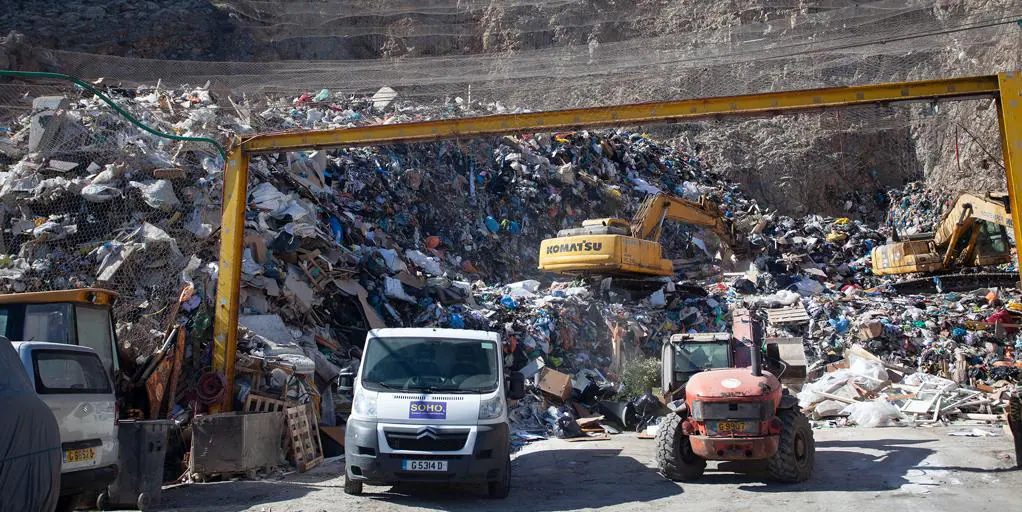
(108, 101)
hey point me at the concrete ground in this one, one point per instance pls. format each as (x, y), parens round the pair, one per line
(857, 469)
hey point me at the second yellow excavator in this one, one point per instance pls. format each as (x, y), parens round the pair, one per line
(973, 233)
(615, 247)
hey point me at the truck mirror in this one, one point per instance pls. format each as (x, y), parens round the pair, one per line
(516, 389)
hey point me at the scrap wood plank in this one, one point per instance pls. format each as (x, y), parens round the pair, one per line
(327, 342)
(175, 373)
(257, 403)
(598, 437)
(306, 447)
(839, 398)
(793, 314)
(584, 422)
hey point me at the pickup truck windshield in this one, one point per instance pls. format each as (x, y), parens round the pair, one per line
(431, 364)
(694, 357)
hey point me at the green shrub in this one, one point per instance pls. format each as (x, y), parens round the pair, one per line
(639, 376)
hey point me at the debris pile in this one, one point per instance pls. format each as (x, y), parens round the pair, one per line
(864, 390)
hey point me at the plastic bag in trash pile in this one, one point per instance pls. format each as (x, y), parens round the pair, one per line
(878, 413)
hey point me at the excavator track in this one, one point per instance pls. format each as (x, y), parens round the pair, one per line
(957, 282)
(638, 288)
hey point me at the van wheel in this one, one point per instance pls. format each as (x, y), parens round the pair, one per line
(144, 502)
(500, 489)
(103, 501)
(352, 487)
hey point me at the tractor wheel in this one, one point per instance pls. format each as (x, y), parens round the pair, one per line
(793, 461)
(674, 456)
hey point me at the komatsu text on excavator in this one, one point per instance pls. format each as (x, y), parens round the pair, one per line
(613, 247)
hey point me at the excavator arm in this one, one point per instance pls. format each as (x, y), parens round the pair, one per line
(648, 222)
(962, 221)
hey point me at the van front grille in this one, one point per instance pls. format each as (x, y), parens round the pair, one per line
(427, 441)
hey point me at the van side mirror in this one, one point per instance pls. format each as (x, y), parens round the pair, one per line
(516, 387)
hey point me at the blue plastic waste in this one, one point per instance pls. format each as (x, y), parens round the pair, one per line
(508, 302)
(337, 229)
(840, 325)
(492, 225)
(457, 322)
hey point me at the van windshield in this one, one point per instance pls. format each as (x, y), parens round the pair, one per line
(431, 365)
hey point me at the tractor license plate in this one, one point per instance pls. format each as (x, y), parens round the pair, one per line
(80, 455)
(731, 427)
(424, 465)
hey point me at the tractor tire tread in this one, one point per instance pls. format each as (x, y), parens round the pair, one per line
(670, 462)
(783, 465)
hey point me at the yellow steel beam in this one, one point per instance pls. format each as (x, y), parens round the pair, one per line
(1009, 116)
(634, 114)
(228, 286)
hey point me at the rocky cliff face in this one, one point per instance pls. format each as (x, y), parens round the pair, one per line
(569, 53)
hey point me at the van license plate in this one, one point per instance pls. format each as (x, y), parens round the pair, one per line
(80, 455)
(424, 465)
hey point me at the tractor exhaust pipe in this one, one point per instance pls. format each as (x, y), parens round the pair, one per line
(755, 353)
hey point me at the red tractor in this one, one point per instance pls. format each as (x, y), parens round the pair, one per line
(732, 408)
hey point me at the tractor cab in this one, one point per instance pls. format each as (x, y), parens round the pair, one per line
(689, 354)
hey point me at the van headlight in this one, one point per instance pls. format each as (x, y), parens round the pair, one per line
(491, 408)
(364, 405)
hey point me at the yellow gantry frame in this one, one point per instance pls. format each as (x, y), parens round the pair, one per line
(1004, 88)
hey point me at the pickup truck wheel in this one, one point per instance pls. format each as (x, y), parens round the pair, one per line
(352, 487)
(500, 489)
(796, 449)
(674, 457)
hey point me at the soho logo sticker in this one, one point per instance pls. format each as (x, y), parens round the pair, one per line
(428, 410)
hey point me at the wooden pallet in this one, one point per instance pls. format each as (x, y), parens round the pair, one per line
(256, 403)
(793, 314)
(306, 450)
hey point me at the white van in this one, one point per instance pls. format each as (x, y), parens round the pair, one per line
(430, 406)
(74, 384)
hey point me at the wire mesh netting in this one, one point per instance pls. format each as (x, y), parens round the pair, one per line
(90, 200)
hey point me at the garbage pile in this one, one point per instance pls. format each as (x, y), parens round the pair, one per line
(916, 209)
(864, 390)
(342, 241)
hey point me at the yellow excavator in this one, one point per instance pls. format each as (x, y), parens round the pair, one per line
(615, 247)
(973, 233)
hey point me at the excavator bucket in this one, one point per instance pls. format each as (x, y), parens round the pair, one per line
(786, 358)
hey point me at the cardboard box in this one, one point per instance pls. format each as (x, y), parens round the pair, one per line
(871, 330)
(555, 383)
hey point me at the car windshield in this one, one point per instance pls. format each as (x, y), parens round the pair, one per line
(693, 357)
(431, 364)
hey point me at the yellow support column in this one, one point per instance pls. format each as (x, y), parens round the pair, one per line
(1009, 114)
(232, 236)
